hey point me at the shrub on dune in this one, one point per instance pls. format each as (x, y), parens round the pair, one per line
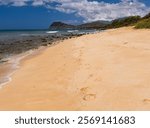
(145, 23)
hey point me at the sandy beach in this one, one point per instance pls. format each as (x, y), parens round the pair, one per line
(104, 71)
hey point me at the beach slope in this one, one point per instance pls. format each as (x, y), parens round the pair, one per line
(104, 71)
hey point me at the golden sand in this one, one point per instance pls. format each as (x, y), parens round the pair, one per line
(104, 71)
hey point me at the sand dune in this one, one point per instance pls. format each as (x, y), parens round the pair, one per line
(104, 71)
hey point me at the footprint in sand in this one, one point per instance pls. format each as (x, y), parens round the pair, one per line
(125, 43)
(82, 47)
(146, 100)
(79, 61)
(91, 75)
(89, 97)
(87, 66)
(98, 79)
(84, 90)
(112, 50)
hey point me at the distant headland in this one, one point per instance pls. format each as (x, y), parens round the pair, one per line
(137, 21)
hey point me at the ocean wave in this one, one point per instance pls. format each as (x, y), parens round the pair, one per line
(51, 32)
(24, 34)
(72, 30)
(15, 64)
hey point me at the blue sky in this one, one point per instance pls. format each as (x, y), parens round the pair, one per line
(39, 14)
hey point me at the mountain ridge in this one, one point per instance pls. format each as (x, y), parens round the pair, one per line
(92, 25)
(137, 21)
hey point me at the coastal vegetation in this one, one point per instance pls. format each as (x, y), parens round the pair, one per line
(137, 21)
(122, 22)
(144, 22)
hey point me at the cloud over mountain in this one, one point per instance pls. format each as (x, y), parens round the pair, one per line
(89, 10)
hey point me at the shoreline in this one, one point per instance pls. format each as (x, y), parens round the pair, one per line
(102, 71)
(21, 44)
(12, 63)
(12, 66)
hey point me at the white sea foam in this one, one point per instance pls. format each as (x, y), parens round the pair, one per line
(72, 31)
(25, 34)
(51, 32)
(14, 61)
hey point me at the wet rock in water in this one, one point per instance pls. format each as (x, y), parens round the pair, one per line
(44, 40)
(16, 46)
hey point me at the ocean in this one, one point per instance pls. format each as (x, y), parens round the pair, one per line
(13, 34)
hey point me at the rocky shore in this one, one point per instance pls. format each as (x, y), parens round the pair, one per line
(16, 46)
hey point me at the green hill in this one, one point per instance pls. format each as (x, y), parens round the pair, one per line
(147, 16)
(144, 22)
(136, 21)
(124, 22)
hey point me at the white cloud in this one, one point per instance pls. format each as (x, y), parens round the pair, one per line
(93, 10)
(89, 10)
(14, 2)
(38, 3)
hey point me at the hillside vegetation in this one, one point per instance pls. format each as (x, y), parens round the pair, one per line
(124, 22)
(144, 22)
(137, 21)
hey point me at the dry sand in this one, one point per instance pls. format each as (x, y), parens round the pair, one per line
(104, 71)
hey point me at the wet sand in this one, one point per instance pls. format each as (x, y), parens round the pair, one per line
(5, 69)
(104, 71)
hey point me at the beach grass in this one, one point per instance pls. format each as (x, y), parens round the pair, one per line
(145, 24)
